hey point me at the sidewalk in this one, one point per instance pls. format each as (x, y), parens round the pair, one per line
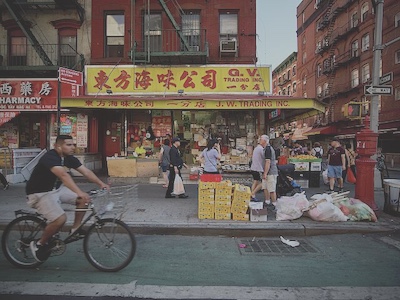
(151, 213)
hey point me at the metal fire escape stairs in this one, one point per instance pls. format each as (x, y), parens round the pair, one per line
(331, 72)
(181, 36)
(14, 10)
(27, 32)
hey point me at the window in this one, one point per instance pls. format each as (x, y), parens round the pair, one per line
(365, 73)
(284, 92)
(397, 20)
(18, 51)
(365, 42)
(354, 78)
(397, 93)
(325, 89)
(274, 83)
(288, 74)
(280, 80)
(319, 91)
(354, 49)
(115, 32)
(354, 20)
(397, 57)
(152, 32)
(305, 95)
(294, 70)
(304, 79)
(228, 26)
(319, 70)
(68, 52)
(327, 65)
(289, 90)
(304, 39)
(294, 87)
(304, 57)
(191, 30)
(364, 12)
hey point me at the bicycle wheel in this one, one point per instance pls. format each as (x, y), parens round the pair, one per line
(109, 245)
(16, 238)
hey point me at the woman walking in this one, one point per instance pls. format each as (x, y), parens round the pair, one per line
(211, 155)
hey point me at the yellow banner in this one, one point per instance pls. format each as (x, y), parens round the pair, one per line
(129, 79)
(191, 104)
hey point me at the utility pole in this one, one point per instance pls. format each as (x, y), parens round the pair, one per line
(374, 106)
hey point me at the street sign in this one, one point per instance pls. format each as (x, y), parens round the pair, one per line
(70, 76)
(386, 78)
(370, 90)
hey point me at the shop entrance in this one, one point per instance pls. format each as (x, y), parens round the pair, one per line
(32, 131)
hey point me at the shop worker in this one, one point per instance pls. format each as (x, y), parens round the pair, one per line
(50, 184)
(336, 165)
(176, 164)
(139, 150)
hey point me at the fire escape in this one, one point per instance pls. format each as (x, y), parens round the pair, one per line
(166, 46)
(37, 55)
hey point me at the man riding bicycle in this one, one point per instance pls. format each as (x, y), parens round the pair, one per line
(50, 184)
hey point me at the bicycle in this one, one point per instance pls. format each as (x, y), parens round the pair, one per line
(108, 243)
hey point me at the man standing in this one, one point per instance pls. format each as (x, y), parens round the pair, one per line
(336, 165)
(257, 168)
(50, 185)
(270, 173)
(176, 164)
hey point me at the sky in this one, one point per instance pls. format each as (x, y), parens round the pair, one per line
(276, 29)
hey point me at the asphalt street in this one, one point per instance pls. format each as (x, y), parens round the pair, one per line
(184, 267)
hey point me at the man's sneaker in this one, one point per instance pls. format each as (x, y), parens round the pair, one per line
(79, 233)
(39, 252)
(330, 191)
(254, 199)
(6, 187)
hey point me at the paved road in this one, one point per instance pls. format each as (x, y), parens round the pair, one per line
(352, 266)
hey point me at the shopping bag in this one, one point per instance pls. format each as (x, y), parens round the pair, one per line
(350, 176)
(179, 189)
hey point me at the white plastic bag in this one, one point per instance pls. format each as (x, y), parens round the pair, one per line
(179, 189)
(290, 208)
(328, 212)
(325, 176)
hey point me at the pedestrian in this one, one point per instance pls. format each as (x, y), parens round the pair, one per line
(351, 156)
(4, 182)
(175, 166)
(211, 156)
(317, 150)
(165, 160)
(50, 184)
(336, 165)
(270, 174)
(277, 144)
(257, 168)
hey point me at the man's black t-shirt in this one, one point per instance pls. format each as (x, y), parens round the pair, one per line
(42, 179)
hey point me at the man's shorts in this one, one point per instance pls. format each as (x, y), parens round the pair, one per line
(257, 175)
(335, 171)
(270, 183)
(164, 168)
(48, 203)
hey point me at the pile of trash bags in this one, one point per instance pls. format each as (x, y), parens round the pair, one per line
(335, 207)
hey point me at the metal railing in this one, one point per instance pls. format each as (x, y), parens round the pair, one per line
(168, 40)
(25, 55)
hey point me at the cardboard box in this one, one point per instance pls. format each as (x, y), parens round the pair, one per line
(258, 215)
(122, 168)
(206, 216)
(206, 185)
(222, 210)
(223, 216)
(206, 209)
(240, 217)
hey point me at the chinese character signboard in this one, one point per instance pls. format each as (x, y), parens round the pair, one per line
(204, 79)
(31, 94)
(191, 104)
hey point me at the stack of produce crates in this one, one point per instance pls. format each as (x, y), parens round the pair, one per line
(206, 200)
(223, 200)
(240, 202)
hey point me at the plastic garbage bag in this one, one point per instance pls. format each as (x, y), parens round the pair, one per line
(289, 242)
(290, 208)
(179, 189)
(356, 210)
(327, 212)
(325, 176)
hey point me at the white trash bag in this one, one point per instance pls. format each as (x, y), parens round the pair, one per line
(179, 189)
(327, 212)
(291, 208)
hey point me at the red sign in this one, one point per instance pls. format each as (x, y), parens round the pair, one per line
(6, 116)
(70, 76)
(32, 94)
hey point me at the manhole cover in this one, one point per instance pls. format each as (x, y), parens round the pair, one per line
(274, 247)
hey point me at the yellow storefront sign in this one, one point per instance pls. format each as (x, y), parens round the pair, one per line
(191, 104)
(129, 79)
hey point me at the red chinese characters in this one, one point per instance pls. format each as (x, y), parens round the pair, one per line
(101, 80)
(167, 79)
(122, 80)
(188, 79)
(143, 80)
(210, 79)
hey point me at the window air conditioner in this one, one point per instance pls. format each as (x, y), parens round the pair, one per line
(229, 46)
(194, 48)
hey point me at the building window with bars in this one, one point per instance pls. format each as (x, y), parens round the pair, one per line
(152, 32)
(18, 51)
(365, 73)
(191, 30)
(355, 81)
(365, 42)
(114, 34)
(364, 11)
